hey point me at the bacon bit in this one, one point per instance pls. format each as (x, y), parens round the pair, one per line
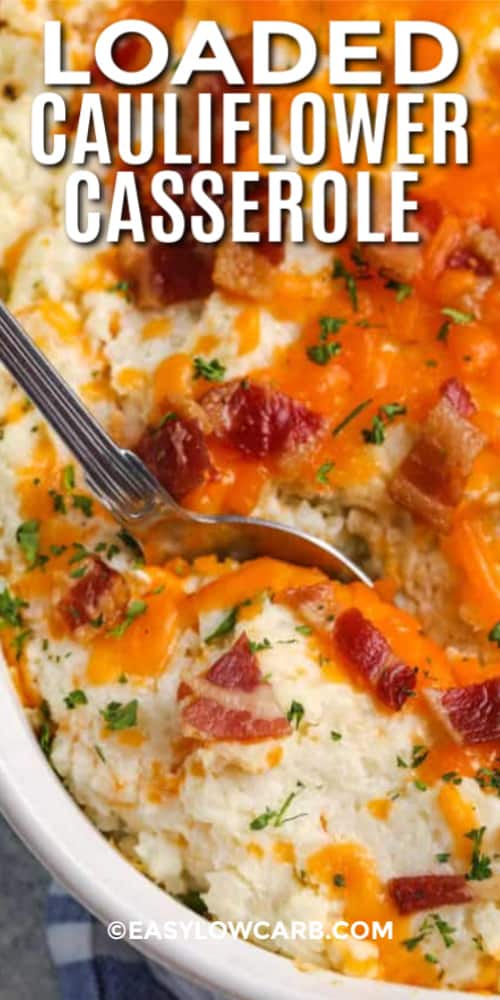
(367, 649)
(206, 719)
(237, 669)
(429, 216)
(480, 254)
(240, 270)
(459, 397)
(98, 599)
(464, 258)
(315, 604)
(162, 274)
(257, 420)
(176, 453)
(431, 480)
(425, 892)
(231, 701)
(471, 714)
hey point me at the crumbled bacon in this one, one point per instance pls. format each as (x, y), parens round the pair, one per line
(429, 216)
(459, 397)
(425, 892)
(315, 603)
(472, 713)
(257, 420)
(464, 258)
(98, 598)
(431, 480)
(236, 669)
(176, 453)
(364, 646)
(231, 701)
(480, 252)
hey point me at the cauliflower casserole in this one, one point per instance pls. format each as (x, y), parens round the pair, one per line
(259, 740)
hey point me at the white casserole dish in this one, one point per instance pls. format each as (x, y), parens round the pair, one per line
(43, 814)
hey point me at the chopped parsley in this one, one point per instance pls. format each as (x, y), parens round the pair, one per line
(167, 418)
(386, 414)
(350, 416)
(225, 627)
(494, 634)
(133, 545)
(19, 641)
(58, 502)
(376, 433)
(432, 922)
(273, 817)
(258, 647)
(11, 610)
(480, 868)
(212, 371)
(123, 287)
(324, 471)
(330, 324)
(46, 730)
(68, 478)
(487, 777)
(453, 316)
(194, 902)
(443, 857)
(420, 785)
(75, 698)
(335, 736)
(339, 880)
(28, 539)
(76, 574)
(83, 503)
(451, 778)
(444, 929)
(340, 271)
(303, 629)
(402, 290)
(118, 716)
(456, 316)
(296, 713)
(419, 753)
(134, 610)
(321, 354)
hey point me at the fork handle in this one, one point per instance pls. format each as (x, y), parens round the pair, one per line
(121, 480)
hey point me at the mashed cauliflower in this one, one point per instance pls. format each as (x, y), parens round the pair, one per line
(316, 819)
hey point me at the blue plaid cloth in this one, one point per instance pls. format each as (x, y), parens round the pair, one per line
(90, 966)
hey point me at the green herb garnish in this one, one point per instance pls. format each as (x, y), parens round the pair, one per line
(351, 416)
(322, 353)
(340, 271)
(212, 371)
(324, 471)
(83, 503)
(134, 610)
(296, 713)
(28, 539)
(75, 698)
(402, 290)
(68, 478)
(10, 610)
(480, 868)
(118, 716)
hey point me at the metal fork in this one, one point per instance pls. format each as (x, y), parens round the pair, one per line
(126, 487)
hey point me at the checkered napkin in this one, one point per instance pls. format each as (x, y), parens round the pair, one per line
(90, 966)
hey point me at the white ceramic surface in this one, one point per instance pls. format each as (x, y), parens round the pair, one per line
(57, 832)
